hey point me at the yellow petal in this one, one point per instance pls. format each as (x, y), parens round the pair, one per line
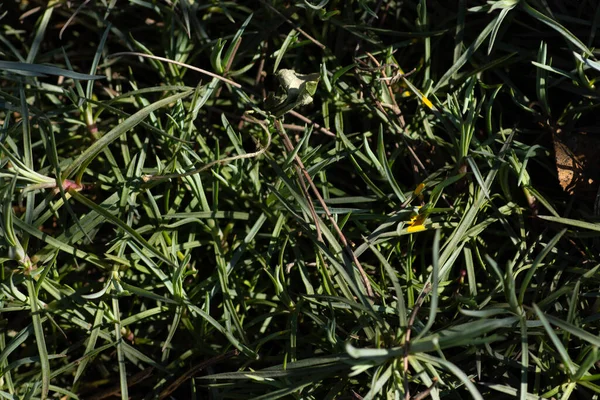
(416, 228)
(427, 102)
(419, 189)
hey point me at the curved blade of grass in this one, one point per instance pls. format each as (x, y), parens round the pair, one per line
(371, 155)
(121, 224)
(556, 70)
(571, 222)
(478, 176)
(386, 167)
(503, 13)
(531, 152)
(556, 26)
(486, 313)
(452, 245)
(538, 196)
(289, 389)
(588, 362)
(524, 359)
(92, 258)
(560, 348)
(400, 302)
(216, 56)
(90, 87)
(43, 70)
(120, 352)
(17, 341)
(510, 391)
(29, 360)
(467, 54)
(574, 330)
(291, 38)
(452, 369)
(91, 343)
(232, 339)
(6, 221)
(41, 27)
(230, 215)
(435, 280)
(542, 77)
(40, 337)
(86, 157)
(537, 262)
(173, 328)
(310, 366)
(139, 292)
(235, 42)
(462, 335)
(376, 388)
(592, 64)
(459, 335)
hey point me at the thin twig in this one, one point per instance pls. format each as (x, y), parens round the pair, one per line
(308, 121)
(202, 71)
(72, 18)
(356, 396)
(297, 166)
(289, 147)
(232, 57)
(147, 178)
(426, 392)
(395, 108)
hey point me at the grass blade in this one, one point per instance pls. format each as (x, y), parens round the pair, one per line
(39, 337)
(91, 152)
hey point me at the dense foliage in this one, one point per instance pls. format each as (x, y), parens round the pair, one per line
(423, 222)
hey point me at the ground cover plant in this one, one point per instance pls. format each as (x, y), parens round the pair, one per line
(299, 199)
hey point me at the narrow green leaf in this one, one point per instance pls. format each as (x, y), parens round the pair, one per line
(560, 348)
(121, 224)
(40, 336)
(556, 26)
(575, 330)
(289, 39)
(538, 260)
(91, 152)
(120, 352)
(42, 70)
(435, 280)
(571, 222)
(462, 60)
(91, 343)
(453, 369)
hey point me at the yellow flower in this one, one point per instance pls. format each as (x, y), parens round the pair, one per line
(416, 223)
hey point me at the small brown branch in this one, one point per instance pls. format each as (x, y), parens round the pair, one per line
(261, 150)
(388, 84)
(202, 71)
(233, 54)
(289, 147)
(356, 396)
(298, 167)
(426, 392)
(309, 121)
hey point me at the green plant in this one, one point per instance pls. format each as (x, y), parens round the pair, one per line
(387, 224)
